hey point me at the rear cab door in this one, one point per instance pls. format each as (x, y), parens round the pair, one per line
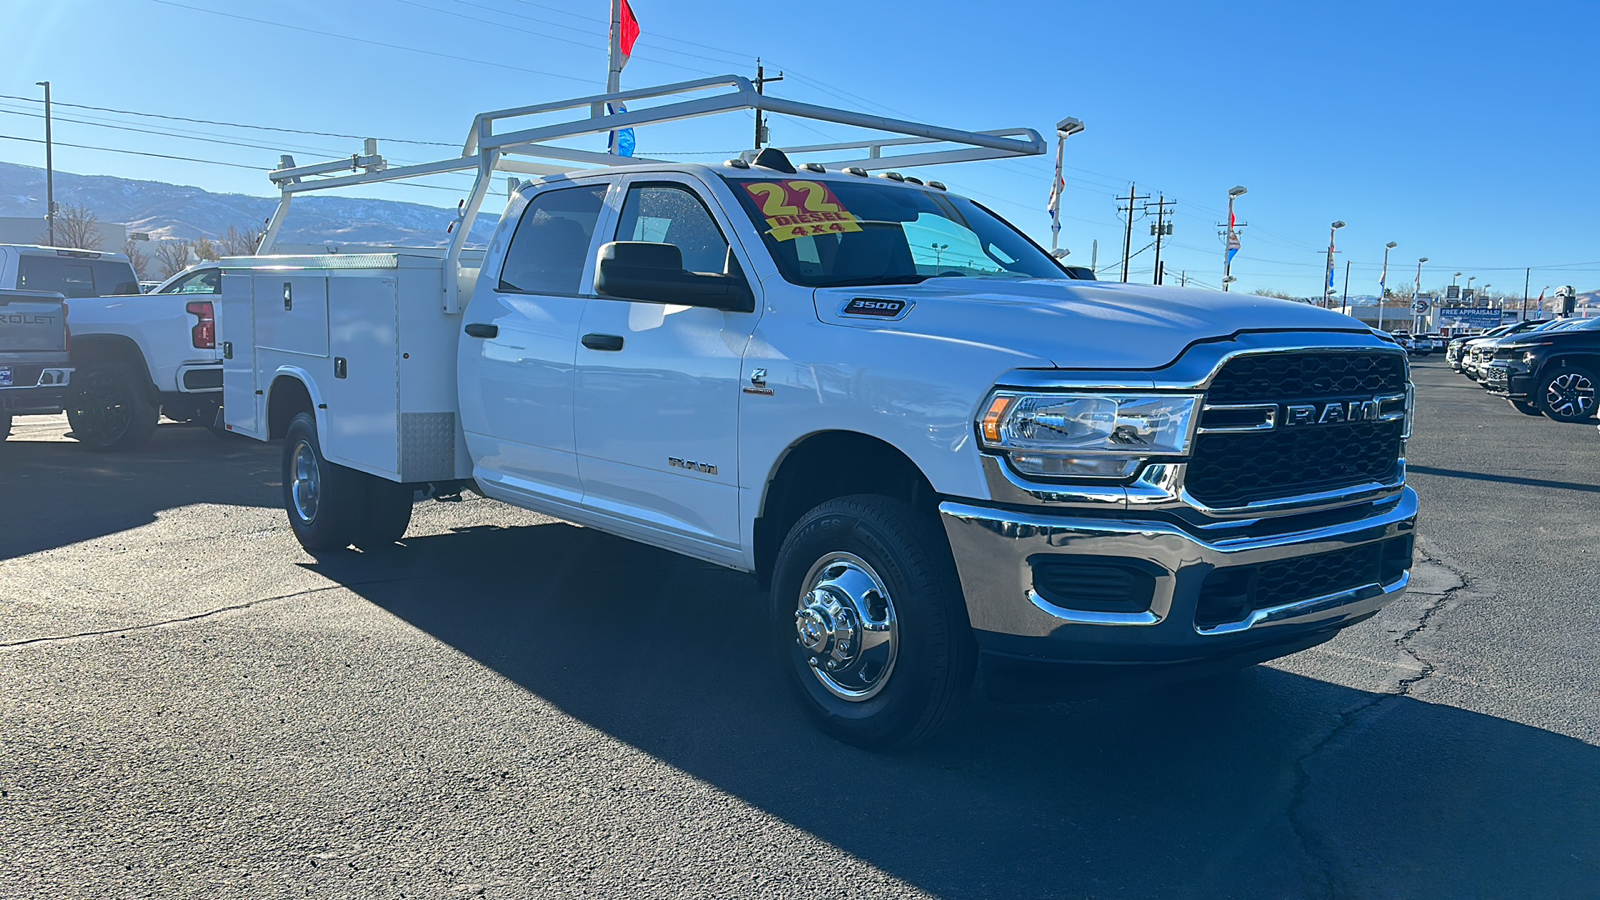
(519, 344)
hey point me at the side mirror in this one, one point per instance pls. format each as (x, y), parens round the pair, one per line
(638, 270)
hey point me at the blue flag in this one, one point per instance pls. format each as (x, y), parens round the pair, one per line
(621, 143)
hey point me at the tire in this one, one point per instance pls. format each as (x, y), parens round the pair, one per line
(1524, 407)
(869, 559)
(111, 407)
(386, 513)
(324, 500)
(1569, 394)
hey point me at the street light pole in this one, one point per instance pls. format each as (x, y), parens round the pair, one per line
(1064, 129)
(1417, 292)
(49, 167)
(1231, 245)
(1383, 280)
(1327, 283)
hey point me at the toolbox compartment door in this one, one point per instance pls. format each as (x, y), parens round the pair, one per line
(242, 401)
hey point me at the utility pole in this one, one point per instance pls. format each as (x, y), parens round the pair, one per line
(1527, 281)
(1161, 229)
(761, 83)
(1345, 303)
(1127, 233)
(1094, 257)
(49, 167)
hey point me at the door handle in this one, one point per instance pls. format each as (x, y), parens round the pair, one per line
(478, 329)
(603, 341)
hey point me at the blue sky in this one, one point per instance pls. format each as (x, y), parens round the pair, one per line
(1465, 131)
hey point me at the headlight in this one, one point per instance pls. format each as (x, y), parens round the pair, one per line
(1087, 435)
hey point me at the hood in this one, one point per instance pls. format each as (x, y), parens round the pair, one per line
(1076, 324)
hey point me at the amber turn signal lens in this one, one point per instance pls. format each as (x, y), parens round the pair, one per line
(995, 414)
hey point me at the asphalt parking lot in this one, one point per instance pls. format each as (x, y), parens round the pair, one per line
(510, 706)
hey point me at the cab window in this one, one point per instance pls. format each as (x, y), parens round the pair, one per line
(673, 214)
(551, 244)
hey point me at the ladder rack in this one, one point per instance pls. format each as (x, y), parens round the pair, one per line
(530, 149)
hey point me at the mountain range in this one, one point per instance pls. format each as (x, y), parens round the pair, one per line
(177, 211)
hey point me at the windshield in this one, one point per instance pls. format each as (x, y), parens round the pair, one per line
(834, 233)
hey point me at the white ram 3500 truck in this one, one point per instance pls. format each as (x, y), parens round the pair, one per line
(934, 457)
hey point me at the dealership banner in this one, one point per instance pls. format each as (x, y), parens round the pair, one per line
(1470, 316)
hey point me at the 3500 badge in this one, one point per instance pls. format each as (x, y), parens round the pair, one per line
(800, 208)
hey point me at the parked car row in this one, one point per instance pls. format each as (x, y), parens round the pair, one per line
(1549, 367)
(1418, 344)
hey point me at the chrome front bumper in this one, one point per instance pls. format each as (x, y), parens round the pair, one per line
(995, 552)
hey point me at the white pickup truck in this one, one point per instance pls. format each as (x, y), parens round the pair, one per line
(138, 356)
(934, 457)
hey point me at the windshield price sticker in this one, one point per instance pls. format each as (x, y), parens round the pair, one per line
(800, 208)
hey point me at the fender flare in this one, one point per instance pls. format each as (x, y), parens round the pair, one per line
(319, 409)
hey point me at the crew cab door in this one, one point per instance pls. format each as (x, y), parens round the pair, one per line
(659, 386)
(518, 348)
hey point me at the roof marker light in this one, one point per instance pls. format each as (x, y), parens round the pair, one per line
(912, 179)
(857, 171)
(814, 167)
(937, 185)
(892, 176)
(736, 164)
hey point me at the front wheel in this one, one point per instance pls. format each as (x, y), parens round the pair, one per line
(323, 499)
(1569, 394)
(111, 407)
(870, 623)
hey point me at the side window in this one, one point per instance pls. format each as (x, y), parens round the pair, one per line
(671, 214)
(206, 282)
(551, 243)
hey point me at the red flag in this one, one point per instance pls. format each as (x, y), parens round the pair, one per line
(630, 31)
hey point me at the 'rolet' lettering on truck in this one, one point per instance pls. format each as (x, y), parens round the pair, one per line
(936, 451)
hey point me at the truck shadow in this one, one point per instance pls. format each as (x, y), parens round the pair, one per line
(1230, 787)
(55, 493)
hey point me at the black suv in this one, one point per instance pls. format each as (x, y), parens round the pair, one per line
(1556, 371)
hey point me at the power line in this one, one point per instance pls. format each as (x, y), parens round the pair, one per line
(191, 159)
(150, 115)
(181, 137)
(209, 162)
(361, 40)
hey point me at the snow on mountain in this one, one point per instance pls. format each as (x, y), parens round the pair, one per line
(177, 211)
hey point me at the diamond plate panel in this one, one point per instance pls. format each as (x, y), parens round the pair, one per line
(427, 446)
